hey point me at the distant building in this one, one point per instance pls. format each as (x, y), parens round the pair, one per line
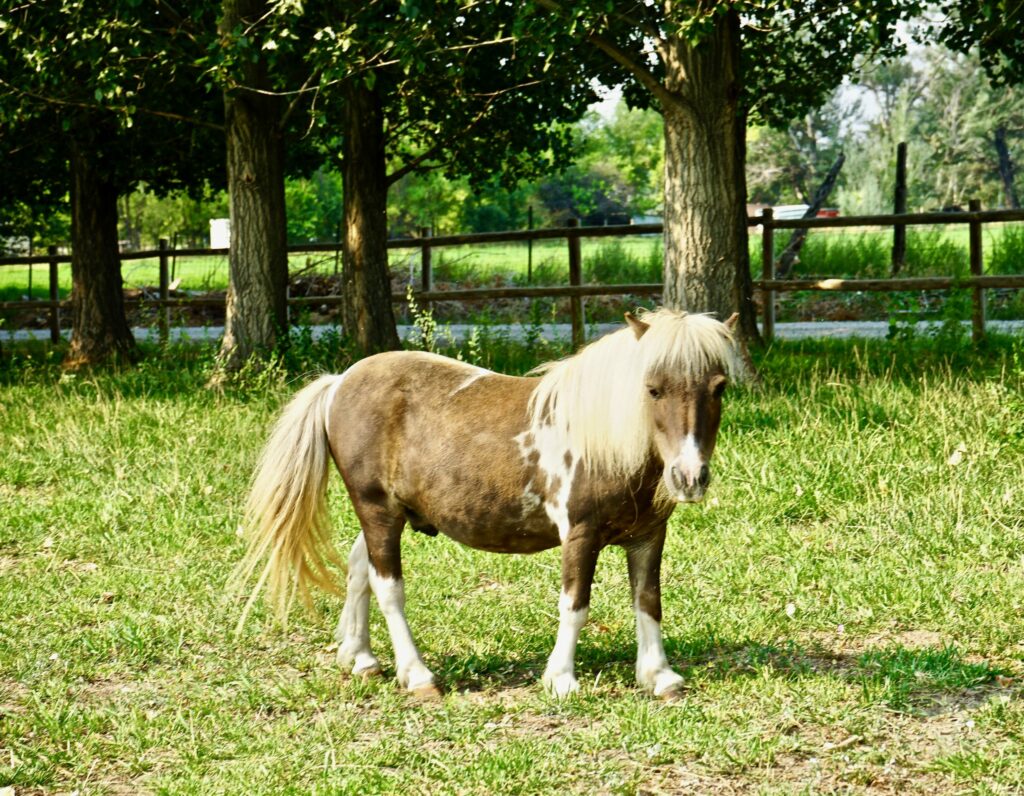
(18, 245)
(790, 211)
(799, 211)
(220, 233)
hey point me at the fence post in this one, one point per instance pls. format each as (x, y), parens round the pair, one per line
(529, 246)
(575, 279)
(899, 231)
(978, 303)
(768, 272)
(426, 266)
(54, 297)
(164, 313)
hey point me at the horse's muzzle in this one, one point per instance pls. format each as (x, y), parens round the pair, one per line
(688, 487)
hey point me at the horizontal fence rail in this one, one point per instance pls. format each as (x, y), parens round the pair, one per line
(575, 291)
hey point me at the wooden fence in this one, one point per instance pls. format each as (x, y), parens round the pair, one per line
(575, 290)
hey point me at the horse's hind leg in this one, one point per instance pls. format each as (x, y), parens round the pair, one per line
(353, 633)
(383, 534)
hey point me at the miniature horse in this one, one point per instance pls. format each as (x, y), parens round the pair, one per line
(595, 451)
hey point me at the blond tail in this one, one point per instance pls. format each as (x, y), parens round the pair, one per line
(286, 515)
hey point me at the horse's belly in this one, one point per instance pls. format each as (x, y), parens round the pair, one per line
(498, 530)
(502, 540)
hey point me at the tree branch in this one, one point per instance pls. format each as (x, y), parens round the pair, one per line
(295, 102)
(96, 107)
(418, 161)
(645, 77)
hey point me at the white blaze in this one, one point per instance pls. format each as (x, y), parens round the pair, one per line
(689, 460)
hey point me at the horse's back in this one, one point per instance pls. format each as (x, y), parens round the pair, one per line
(434, 436)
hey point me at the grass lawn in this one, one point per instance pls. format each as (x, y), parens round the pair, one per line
(847, 606)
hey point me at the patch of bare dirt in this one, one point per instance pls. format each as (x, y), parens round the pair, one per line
(13, 696)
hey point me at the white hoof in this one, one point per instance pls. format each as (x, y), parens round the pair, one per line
(560, 685)
(660, 682)
(359, 662)
(415, 677)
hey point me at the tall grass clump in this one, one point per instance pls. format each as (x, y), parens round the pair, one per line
(869, 254)
(1007, 253)
(613, 263)
(451, 266)
(930, 252)
(846, 255)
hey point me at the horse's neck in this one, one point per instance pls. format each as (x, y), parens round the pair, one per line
(635, 499)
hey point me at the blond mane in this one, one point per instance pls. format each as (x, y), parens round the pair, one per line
(595, 400)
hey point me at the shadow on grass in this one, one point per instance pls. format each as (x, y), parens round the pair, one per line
(924, 680)
(907, 359)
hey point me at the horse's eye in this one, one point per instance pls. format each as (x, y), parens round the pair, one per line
(654, 392)
(719, 388)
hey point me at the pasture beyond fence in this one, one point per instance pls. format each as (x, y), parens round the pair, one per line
(575, 290)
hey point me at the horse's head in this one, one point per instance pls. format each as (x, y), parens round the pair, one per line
(685, 407)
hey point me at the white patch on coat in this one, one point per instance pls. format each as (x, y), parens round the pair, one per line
(390, 594)
(476, 375)
(560, 674)
(652, 669)
(551, 449)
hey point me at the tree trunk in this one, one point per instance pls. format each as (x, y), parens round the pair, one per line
(100, 329)
(257, 301)
(1006, 168)
(367, 314)
(706, 259)
(785, 262)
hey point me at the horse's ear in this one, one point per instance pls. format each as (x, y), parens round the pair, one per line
(637, 325)
(730, 324)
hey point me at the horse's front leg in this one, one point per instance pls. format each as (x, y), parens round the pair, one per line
(579, 558)
(652, 670)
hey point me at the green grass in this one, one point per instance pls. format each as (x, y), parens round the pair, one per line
(846, 606)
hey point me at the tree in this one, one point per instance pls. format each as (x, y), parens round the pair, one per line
(420, 89)
(787, 164)
(314, 206)
(631, 140)
(96, 88)
(429, 199)
(708, 66)
(972, 125)
(254, 117)
(994, 29)
(33, 193)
